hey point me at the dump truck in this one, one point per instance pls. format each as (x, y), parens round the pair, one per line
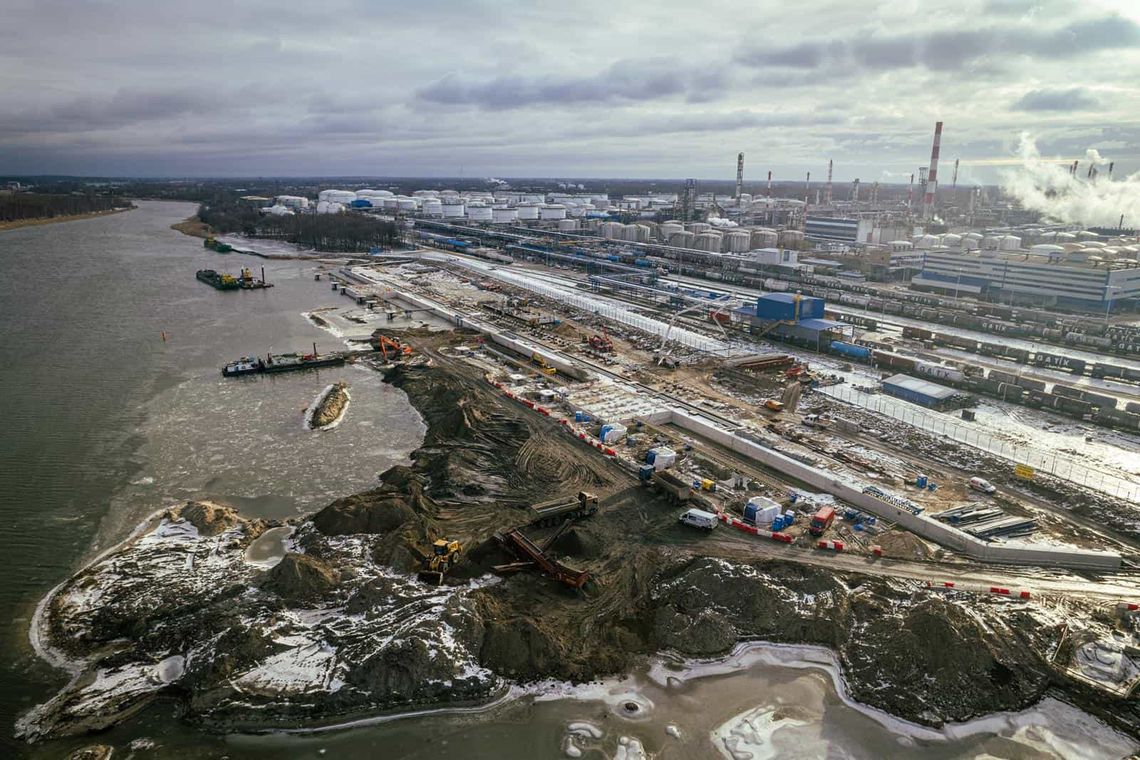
(672, 486)
(559, 510)
(821, 521)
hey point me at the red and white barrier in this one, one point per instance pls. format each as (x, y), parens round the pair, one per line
(995, 590)
(836, 546)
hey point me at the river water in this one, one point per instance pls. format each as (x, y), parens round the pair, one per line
(107, 421)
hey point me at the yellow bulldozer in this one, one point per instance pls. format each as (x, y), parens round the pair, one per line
(444, 556)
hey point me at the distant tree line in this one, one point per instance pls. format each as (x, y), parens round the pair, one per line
(340, 233)
(17, 206)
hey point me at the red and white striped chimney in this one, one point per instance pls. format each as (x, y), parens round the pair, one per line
(932, 175)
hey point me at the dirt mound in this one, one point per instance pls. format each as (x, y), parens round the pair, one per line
(94, 752)
(378, 511)
(330, 406)
(300, 578)
(209, 518)
(578, 542)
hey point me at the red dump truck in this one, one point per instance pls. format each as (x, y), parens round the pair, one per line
(822, 520)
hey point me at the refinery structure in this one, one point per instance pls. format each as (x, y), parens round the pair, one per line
(933, 238)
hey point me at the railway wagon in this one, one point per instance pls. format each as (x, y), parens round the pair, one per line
(1115, 418)
(917, 333)
(851, 350)
(892, 360)
(1055, 361)
(1029, 384)
(1002, 377)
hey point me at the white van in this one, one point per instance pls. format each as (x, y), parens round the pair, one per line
(698, 518)
(983, 485)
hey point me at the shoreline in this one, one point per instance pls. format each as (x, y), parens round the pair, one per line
(194, 227)
(42, 220)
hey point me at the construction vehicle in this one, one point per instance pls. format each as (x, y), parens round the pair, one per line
(543, 367)
(444, 556)
(531, 554)
(774, 405)
(602, 343)
(677, 490)
(559, 510)
(817, 421)
(383, 344)
(821, 521)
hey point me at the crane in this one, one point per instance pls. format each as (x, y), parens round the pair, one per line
(723, 300)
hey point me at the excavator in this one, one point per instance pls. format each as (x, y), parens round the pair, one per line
(602, 342)
(444, 556)
(383, 343)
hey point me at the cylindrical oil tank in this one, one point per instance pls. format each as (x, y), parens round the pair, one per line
(738, 241)
(611, 230)
(670, 228)
(900, 245)
(684, 239)
(1047, 249)
(950, 240)
(924, 242)
(432, 207)
(629, 232)
(567, 225)
(644, 233)
(552, 211)
(763, 238)
(791, 237)
(1009, 243)
(504, 214)
(478, 212)
(406, 204)
(709, 241)
(698, 227)
(528, 211)
(453, 209)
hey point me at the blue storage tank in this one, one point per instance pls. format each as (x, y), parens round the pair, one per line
(360, 203)
(784, 306)
(850, 349)
(920, 481)
(652, 455)
(645, 472)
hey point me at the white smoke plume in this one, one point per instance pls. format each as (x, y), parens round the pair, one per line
(1047, 186)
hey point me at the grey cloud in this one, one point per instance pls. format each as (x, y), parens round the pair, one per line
(623, 81)
(950, 50)
(1073, 99)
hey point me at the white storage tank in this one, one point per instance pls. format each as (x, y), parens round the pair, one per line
(764, 238)
(1009, 243)
(901, 245)
(478, 212)
(925, 242)
(389, 204)
(1065, 237)
(407, 204)
(504, 214)
(709, 241)
(698, 227)
(433, 207)
(567, 225)
(611, 230)
(629, 233)
(644, 233)
(791, 237)
(552, 211)
(991, 242)
(950, 240)
(425, 194)
(453, 209)
(1047, 249)
(337, 196)
(528, 211)
(684, 239)
(738, 241)
(1085, 235)
(668, 228)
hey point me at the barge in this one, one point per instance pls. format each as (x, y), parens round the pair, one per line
(218, 280)
(289, 362)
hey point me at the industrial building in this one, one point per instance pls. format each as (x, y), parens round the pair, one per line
(792, 318)
(1036, 277)
(834, 229)
(919, 391)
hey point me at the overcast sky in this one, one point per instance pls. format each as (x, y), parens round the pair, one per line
(575, 88)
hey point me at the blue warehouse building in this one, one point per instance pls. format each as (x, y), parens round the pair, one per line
(793, 318)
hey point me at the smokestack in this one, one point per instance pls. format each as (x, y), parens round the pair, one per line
(932, 176)
(875, 193)
(954, 180)
(1110, 165)
(807, 189)
(827, 192)
(769, 183)
(1088, 174)
(739, 175)
(1074, 169)
(855, 191)
(910, 192)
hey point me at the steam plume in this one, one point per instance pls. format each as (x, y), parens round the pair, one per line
(1048, 187)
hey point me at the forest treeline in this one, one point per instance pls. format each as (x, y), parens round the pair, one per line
(340, 233)
(15, 207)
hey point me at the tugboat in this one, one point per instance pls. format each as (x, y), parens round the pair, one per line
(218, 280)
(247, 365)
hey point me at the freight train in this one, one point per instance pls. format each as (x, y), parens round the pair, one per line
(1076, 402)
(1025, 356)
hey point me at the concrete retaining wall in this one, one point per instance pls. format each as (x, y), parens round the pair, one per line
(1014, 553)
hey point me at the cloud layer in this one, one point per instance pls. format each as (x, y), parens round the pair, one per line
(483, 87)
